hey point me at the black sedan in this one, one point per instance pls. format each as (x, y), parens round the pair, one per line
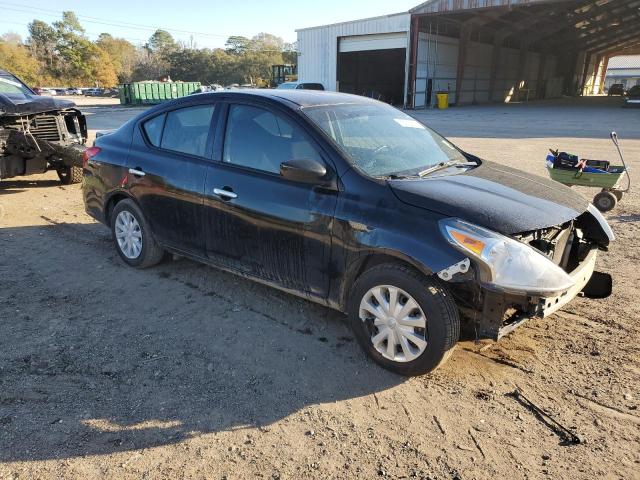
(350, 203)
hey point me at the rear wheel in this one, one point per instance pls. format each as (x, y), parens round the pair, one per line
(132, 237)
(406, 322)
(69, 175)
(618, 194)
(605, 201)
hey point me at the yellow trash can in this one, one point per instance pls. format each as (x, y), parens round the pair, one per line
(443, 100)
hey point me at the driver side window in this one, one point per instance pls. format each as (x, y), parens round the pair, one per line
(259, 139)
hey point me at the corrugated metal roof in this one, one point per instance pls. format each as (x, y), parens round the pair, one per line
(439, 6)
(625, 61)
(360, 20)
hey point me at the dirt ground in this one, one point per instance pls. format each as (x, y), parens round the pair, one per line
(182, 371)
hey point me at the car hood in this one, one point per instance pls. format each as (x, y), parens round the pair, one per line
(500, 198)
(11, 104)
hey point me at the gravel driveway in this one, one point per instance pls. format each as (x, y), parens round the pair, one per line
(182, 371)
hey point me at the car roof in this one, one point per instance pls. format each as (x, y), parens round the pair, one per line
(301, 98)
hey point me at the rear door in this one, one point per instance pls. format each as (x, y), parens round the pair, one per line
(257, 222)
(167, 168)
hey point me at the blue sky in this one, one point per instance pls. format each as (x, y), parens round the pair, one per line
(212, 21)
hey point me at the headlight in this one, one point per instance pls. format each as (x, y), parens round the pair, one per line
(505, 263)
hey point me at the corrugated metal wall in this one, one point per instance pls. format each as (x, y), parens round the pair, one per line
(318, 46)
(438, 61)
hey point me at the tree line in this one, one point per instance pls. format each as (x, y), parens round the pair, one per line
(61, 54)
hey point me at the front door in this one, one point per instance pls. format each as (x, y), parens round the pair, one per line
(259, 223)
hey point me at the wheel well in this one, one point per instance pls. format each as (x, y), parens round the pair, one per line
(111, 204)
(365, 263)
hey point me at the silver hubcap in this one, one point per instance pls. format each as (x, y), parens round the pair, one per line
(128, 235)
(397, 323)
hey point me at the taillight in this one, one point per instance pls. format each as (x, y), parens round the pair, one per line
(88, 154)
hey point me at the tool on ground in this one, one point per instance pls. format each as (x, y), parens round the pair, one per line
(566, 435)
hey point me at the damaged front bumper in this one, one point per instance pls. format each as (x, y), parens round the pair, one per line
(501, 312)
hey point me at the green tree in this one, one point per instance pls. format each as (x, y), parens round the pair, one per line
(42, 42)
(161, 43)
(237, 45)
(69, 25)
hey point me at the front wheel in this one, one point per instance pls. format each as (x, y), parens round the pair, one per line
(406, 322)
(132, 237)
(69, 175)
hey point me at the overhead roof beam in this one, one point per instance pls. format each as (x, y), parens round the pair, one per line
(601, 14)
(613, 15)
(598, 10)
(619, 42)
(592, 42)
(629, 49)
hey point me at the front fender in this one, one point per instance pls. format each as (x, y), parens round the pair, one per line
(425, 250)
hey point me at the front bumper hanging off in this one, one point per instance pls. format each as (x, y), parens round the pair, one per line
(504, 312)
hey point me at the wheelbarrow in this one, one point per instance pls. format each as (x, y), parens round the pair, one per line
(609, 180)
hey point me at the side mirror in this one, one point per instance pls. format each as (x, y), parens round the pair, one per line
(304, 170)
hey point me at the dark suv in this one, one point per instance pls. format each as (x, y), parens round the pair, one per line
(350, 203)
(616, 89)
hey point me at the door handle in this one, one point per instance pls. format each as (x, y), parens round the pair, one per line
(136, 172)
(225, 194)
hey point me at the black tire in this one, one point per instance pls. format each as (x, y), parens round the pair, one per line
(618, 194)
(70, 175)
(151, 253)
(605, 201)
(442, 319)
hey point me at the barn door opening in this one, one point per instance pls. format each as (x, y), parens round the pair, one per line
(373, 66)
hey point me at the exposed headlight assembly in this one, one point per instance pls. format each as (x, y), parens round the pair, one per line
(504, 263)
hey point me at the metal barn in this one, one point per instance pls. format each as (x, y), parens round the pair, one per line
(479, 51)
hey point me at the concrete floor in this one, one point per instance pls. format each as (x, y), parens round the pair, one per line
(520, 135)
(588, 117)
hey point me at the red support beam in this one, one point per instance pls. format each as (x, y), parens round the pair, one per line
(603, 75)
(495, 60)
(542, 66)
(585, 72)
(413, 66)
(465, 32)
(522, 65)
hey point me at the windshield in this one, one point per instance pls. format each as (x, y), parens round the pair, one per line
(10, 84)
(287, 86)
(382, 141)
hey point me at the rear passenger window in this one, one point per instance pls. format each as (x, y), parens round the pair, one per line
(153, 129)
(186, 130)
